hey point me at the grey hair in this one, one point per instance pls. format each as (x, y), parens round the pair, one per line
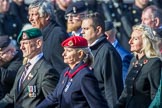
(45, 7)
(156, 12)
(27, 26)
(88, 58)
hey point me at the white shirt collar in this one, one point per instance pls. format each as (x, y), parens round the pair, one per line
(33, 61)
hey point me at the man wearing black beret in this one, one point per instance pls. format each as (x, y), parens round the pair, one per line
(74, 14)
(34, 80)
(10, 61)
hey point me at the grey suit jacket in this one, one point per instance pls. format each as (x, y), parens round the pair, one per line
(40, 82)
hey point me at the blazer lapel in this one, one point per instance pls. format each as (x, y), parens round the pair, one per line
(62, 84)
(30, 76)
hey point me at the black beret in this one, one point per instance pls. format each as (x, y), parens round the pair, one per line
(108, 25)
(31, 33)
(76, 7)
(4, 42)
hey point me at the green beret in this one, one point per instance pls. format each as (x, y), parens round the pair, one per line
(31, 34)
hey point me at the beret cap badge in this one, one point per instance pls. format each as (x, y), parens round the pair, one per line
(70, 43)
(74, 9)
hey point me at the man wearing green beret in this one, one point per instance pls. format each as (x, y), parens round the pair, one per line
(36, 79)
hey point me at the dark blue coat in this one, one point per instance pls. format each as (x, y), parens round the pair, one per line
(82, 93)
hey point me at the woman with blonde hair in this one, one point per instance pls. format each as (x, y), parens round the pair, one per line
(144, 71)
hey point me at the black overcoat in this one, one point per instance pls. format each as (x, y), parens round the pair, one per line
(107, 68)
(142, 83)
(53, 36)
(8, 73)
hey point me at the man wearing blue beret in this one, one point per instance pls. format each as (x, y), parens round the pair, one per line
(34, 80)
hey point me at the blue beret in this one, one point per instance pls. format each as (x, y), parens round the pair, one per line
(76, 7)
(31, 33)
(108, 25)
(4, 42)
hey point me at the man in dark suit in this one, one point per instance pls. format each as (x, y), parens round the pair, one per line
(107, 62)
(41, 15)
(34, 83)
(126, 56)
(10, 61)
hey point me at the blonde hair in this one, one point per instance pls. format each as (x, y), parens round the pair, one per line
(149, 39)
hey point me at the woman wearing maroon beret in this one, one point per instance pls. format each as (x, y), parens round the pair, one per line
(77, 87)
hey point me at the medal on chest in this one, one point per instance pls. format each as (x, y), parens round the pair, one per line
(32, 91)
(68, 85)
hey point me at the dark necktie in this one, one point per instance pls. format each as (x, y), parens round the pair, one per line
(23, 75)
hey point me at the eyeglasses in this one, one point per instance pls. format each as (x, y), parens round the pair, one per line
(75, 16)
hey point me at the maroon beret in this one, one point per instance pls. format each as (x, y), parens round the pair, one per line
(75, 42)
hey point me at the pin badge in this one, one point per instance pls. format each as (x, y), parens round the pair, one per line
(30, 76)
(68, 85)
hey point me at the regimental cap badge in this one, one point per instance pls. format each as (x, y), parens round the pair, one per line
(70, 43)
(74, 9)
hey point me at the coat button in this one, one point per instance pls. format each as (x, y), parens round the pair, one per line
(131, 87)
(133, 78)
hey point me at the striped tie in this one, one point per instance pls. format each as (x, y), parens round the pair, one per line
(22, 78)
